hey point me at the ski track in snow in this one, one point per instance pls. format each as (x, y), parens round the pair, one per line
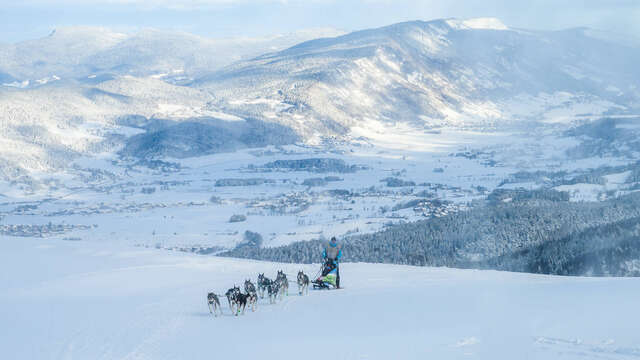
(95, 300)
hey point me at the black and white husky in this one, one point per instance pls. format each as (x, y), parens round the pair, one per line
(252, 298)
(241, 302)
(273, 289)
(263, 284)
(214, 304)
(303, 283)
(282, 281)
(249, 287)
(232, 298)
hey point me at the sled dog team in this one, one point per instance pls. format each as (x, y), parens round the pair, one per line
(274, 289)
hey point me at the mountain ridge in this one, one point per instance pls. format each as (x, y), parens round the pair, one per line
(422, 75)
(447, 73)
(77, 51)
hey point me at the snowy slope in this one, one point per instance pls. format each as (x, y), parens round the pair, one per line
(376, 83)
(62, 95)
(83, 300)
(43, 128)
(61, 53)
(464, 73)
(76, 52)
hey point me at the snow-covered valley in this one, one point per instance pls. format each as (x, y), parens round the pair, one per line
(188, 203)
(338, 136)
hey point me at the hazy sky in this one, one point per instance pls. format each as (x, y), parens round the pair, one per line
(27, 19)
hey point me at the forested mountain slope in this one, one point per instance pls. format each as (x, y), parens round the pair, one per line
(540, 233)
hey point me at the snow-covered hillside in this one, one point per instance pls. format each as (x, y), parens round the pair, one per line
(43, 128)
(85, 300)
(428, 74)
(63, 95)
(77, 52)
(66, 92)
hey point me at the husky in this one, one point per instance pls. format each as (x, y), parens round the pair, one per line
(252, 298)
(273, 289)
(248, 286)
(281, 278)
(263, 284)
(241, 302)
(214, 304)
(232, 295)
(303, 283)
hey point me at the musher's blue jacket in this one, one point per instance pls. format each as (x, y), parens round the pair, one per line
(333, 252)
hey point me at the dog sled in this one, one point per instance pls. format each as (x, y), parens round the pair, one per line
(328, 277)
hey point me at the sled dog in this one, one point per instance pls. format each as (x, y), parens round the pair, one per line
(281, 278)
(214, 304)
(303, 283)
(232, 295)
(273, 289)
(249, 287)
(241, 302)
(252, 296)
(263, 284)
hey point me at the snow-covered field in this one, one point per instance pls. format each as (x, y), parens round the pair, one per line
(449, 165)
(96, 300)
(186, 208)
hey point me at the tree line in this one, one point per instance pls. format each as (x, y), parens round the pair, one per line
(532, 231)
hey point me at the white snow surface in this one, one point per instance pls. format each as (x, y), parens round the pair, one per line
(89, 300)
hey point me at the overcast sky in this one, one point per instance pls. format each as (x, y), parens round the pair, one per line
(28, 19)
